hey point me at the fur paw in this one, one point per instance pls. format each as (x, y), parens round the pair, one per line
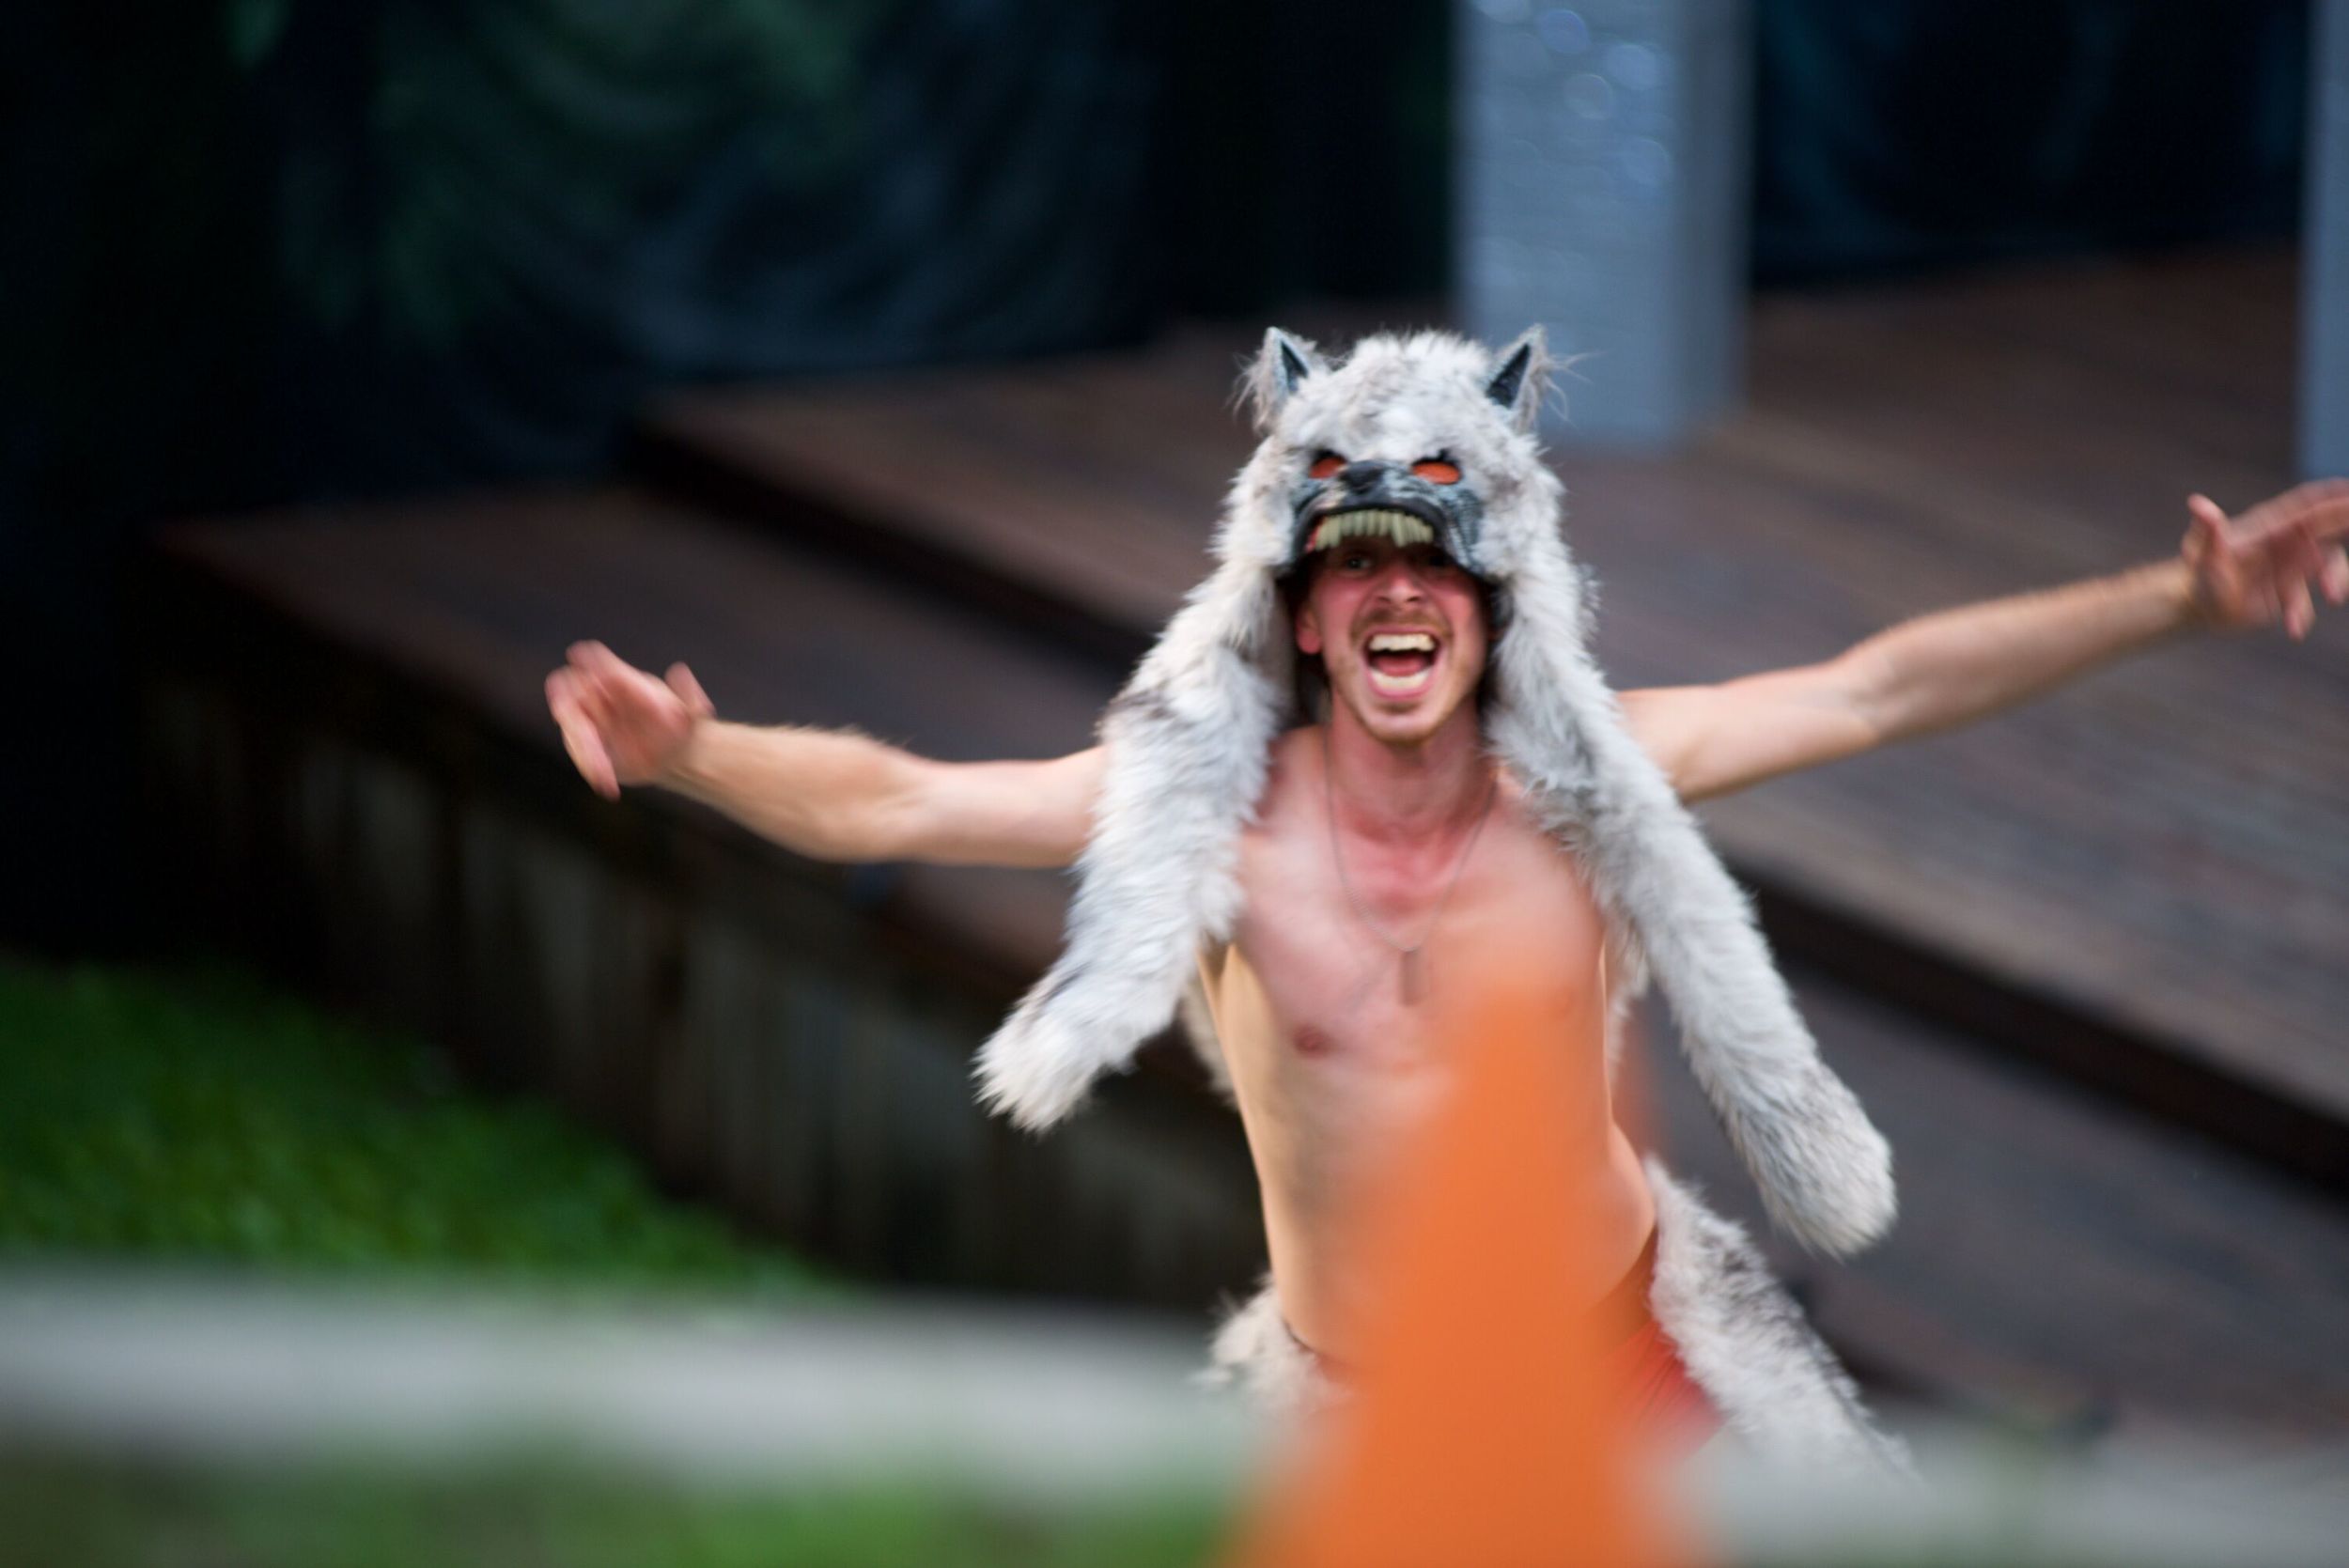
(1033, 1072)
(1827, 1174)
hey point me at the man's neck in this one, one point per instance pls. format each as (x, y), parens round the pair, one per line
(1400, 793)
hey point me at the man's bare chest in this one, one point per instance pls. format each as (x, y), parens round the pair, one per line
(1353, 962)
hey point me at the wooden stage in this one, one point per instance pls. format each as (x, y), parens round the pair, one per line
(2081, 962)
(2143, 878)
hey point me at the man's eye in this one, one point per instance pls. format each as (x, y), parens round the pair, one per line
(1325, 464)
(1439, 470)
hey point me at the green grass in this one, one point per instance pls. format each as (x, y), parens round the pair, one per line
(145, 1517)
(194, 1116)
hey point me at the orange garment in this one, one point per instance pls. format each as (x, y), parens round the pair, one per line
(1481, 1431)
(1658, 1398)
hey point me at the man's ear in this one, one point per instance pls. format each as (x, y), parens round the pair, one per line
(1308, 632)
(1522, 380)
(1274, 375)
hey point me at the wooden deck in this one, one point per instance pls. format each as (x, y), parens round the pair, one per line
(2141, 879)
(2060, 1262)
(475, 599)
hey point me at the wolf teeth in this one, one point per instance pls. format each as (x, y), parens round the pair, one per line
(1377, 521)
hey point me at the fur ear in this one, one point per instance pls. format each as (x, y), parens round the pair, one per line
(1523, 380)
(1276, 370)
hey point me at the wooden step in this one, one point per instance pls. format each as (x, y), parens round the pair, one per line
(2140, 879)
(2059, 1262)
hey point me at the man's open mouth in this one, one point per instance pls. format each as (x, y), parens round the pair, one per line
(1400, 664)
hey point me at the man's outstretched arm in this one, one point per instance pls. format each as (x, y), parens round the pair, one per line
(1956, 666)
(825, 794)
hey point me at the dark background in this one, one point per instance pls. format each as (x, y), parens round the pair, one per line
(259, 252)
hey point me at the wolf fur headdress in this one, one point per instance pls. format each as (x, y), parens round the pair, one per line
(1189, 742)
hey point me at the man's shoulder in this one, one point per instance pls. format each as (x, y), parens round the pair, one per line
(1293, 764)
(1288, 814)
(1666, 720)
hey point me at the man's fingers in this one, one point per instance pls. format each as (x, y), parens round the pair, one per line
(2306, 575)
(600, 695)
(2299, 610)
(633, 692)
(2336, 575)
(2209, 546)
(595, 698)
(2325, 503)
(621, 714)
(2294, 559)
(593, 762)
(2308, 555)
(566, 699)
(618, 686)
(626, 696)
(2313, 568)
(580, 738)
(589, 663)
(690, 691)
(2322, 505)
(2211, 554)
(594, 658)
(2206, 519)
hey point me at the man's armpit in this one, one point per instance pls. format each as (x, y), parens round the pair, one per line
(1667, 722)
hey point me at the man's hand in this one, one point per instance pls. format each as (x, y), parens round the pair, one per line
(2268, 563)
(620, 726)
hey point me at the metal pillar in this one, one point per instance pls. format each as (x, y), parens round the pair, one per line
(1603, 165)
(2325, 271)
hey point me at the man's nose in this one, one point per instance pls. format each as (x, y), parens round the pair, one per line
(1400, 581)
(1362, 478)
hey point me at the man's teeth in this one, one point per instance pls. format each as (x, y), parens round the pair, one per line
(1403, 642)
(1386, 685)
(1381, 521)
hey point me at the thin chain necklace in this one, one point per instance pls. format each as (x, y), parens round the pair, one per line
(1413, 962)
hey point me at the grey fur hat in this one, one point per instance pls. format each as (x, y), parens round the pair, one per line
(1188, 741)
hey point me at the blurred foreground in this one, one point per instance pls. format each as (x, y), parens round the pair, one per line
(163, 1419)
(402, 1323)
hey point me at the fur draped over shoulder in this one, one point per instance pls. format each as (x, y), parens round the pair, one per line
(1188, 741)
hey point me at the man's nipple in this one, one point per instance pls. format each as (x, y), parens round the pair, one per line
(1314, 1042)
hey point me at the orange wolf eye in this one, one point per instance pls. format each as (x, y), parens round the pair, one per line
(1326, 464)
(1438, 471)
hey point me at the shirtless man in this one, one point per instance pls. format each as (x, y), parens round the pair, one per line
(1387, 827)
